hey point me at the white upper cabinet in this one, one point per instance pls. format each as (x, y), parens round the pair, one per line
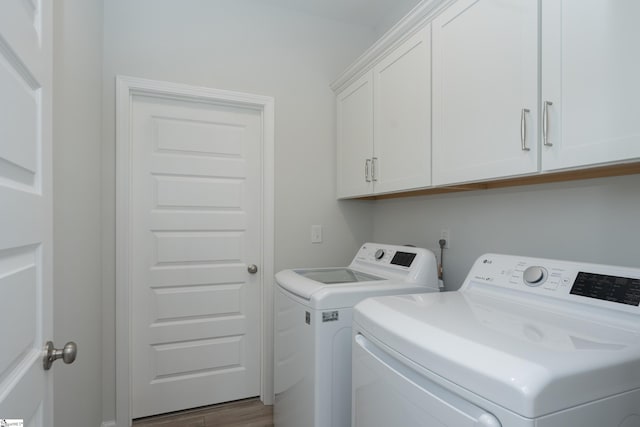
(468, 91)
(485, 90)
(355, 138)
(384, 123)
(590, 82)
(402, 116)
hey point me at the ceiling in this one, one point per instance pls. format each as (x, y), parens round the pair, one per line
(369, 13)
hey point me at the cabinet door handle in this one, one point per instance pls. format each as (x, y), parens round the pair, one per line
(366, 170)
(374, 167)
(545, 124)
(523, 129)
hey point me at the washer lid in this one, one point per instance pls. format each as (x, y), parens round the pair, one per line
(334, 293)
(332, 276)
(306, 282)
(527, 359)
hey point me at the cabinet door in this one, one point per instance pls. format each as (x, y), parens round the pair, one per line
(402, 113)
(485, 90)
(355, 138)
(591, 76)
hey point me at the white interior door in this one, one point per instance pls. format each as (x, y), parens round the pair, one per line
(196, 227)
(25, 210)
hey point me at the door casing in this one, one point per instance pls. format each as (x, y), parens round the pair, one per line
(126, 89)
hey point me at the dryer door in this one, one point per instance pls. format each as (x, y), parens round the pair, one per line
(387, 392)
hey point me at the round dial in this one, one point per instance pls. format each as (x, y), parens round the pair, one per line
(379, 254)
(534, 276)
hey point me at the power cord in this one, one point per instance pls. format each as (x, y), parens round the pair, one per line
(442, 243)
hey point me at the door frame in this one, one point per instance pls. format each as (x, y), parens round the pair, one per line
(126, 89)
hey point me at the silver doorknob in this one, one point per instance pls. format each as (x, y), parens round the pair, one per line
(67, 354)
(252, 268)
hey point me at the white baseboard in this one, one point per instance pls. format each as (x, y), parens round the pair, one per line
(111, 423)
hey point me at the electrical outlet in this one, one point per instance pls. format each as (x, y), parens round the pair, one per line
(446, 235)
(316, 234)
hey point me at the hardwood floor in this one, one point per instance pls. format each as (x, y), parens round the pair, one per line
(241, 413)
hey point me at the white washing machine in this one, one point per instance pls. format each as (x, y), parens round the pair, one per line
(525, 342)
(313, 311)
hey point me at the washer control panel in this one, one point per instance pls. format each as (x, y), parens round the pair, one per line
(592, 284)
(399, 256)
(408, 263)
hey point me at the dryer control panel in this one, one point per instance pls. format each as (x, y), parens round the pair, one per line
(596, 285)
(623, 290)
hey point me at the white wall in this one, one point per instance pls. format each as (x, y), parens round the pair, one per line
(399, 10)
(243, 46)
(77, 114)
(592, 220)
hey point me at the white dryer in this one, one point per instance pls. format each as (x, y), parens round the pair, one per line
(313, 312)
(525, 342)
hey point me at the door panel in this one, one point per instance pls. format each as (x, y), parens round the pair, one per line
(485, 73)
(402, 112)
(18, 285)
(204, 301)
(196, 226)
(198, 137)
(196, 246)
(590, 68)
(355, 138)
(197, 192)
(25, 210)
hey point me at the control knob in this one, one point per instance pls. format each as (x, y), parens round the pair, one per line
(534, 276)
(379, 254)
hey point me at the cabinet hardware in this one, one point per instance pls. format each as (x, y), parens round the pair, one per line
(545, 124)
(366, 170)
(374, 167)
(523, 129)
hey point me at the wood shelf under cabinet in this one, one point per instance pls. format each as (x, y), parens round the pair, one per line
(543, 178)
